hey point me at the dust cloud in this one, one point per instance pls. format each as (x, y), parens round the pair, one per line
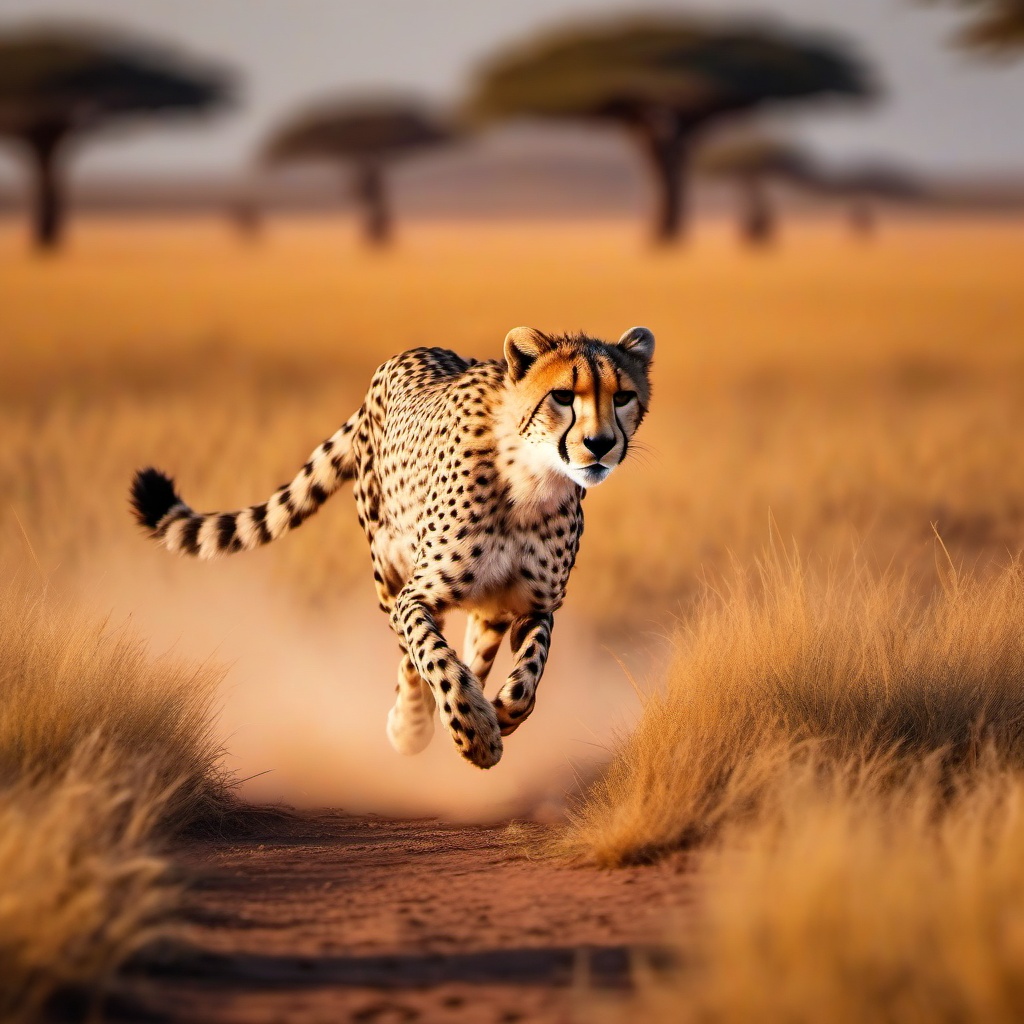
(306, 695)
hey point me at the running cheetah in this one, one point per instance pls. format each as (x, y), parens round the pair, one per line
(469, 478)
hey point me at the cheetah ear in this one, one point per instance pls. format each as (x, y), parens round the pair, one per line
(522, 346)
(638, 341)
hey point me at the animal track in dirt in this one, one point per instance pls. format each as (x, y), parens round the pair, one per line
(328, 917)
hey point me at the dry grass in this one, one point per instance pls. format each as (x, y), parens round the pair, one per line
(845, 665)
(853, 901)
(845, 754)
(856, 392)
(103, 754)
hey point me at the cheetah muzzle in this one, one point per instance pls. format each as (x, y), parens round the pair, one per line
(468, 480)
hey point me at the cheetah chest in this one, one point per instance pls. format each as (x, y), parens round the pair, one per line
(516, 572)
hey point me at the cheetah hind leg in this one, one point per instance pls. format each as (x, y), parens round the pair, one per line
(483, 638)
(411, 720)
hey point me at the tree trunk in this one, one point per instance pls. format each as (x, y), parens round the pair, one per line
(667, 147)
(48, 205)
(862, 217)
(757, 225)
(372, 197)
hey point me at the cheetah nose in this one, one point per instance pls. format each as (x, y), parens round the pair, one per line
(599, 446)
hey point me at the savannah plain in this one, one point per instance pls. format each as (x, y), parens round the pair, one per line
(776, 769)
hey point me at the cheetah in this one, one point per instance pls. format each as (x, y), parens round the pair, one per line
(468, 477)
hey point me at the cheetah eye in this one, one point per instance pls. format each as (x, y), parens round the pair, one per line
(564, 397)
(624, 397)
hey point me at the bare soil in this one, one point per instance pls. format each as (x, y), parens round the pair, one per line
(338, 918)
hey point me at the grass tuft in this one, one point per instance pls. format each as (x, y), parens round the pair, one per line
(846, 754)
(853, 900)
(846, 666)
(104, 754)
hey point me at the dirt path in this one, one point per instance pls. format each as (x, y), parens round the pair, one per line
(333, 918)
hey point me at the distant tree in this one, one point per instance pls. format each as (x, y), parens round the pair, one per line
(996, 26)
(665, 80)
(246, 217)
(863, 186)
(367, 134)
(60, 85)
(751, 163)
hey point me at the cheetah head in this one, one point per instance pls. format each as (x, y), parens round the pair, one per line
(578, 401)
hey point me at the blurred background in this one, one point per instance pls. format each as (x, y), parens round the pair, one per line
(217, 219)
(501, 109)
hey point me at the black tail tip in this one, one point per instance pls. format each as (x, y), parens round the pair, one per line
(153, 496)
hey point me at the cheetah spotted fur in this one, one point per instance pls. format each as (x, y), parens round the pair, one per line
(468, 479)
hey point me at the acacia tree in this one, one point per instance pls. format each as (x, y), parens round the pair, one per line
(864, 186)
(750, 164)
(57, 86)
(665, 80)
(367, 134)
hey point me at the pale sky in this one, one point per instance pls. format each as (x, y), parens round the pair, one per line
(944, 111)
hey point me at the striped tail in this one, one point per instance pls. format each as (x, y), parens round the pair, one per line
(175, 526)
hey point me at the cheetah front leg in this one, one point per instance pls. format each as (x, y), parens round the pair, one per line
(531, 641)
(465, 711)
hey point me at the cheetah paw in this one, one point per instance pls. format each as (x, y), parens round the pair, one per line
(476, 732)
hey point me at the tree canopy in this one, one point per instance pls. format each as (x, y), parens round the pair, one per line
(665, 79)
(872, 179)
(368, 133)
(56, 83)
(84, 78)
(694, 69)
(756, 155)
(372, 129)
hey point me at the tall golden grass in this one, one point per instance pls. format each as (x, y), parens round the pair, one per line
(846, 665)
(844, 755)
(855, 395)
(853, 901)
(104, 753)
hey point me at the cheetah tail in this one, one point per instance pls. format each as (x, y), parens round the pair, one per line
(161, 512)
